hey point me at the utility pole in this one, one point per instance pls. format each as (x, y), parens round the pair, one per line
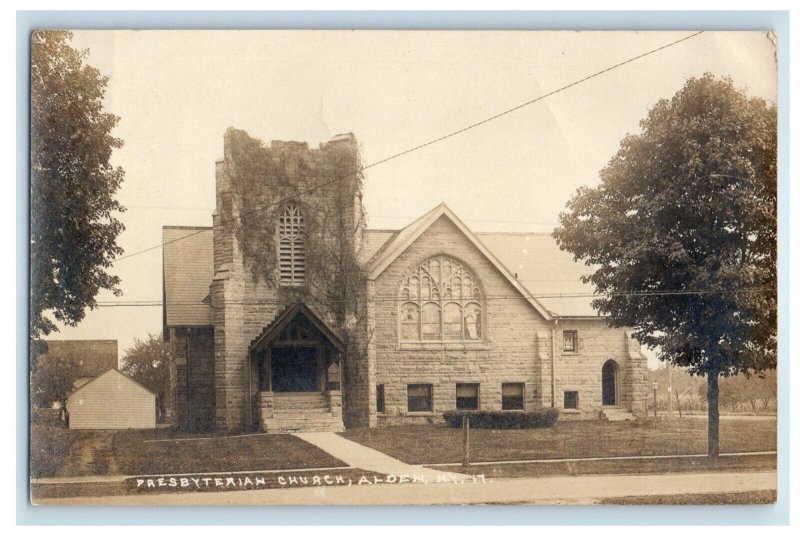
(669, 391)
(655, 400)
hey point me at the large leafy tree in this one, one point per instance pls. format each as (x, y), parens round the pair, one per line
(683, 233)
(53, 380)
(73, 223)
(147, 362)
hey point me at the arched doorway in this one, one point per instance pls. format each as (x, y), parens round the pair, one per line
(610, 373)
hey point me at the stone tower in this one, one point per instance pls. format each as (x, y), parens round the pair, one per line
(286, 214)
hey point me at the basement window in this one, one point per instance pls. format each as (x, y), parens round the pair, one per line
(420, 397)
(467, 395)
(570, 399)
(379, 398)
(513, 396)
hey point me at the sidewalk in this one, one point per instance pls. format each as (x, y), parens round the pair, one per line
(357, 458)
(361, 457)
(551, 490)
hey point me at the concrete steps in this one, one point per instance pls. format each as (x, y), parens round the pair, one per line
(302, 412)
(285, 422)
(614, 413)
(299, 401)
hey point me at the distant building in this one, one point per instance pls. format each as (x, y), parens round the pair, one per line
(112, 401)
(91, 357)
(448, 318)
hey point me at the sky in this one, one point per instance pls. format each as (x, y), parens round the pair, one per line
(176, 92)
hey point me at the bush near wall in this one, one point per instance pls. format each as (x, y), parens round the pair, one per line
(503, 420)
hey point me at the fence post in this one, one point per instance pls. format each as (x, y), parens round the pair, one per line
(465, 426)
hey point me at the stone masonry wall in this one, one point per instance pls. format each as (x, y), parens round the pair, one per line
(516, 337)
(581, 370)
(192, 377)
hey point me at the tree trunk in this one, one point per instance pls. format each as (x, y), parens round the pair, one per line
(713, 415)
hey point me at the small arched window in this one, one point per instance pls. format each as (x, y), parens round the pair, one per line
(440, 301)
(292, 247)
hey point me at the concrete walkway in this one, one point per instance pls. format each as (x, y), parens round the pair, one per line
(551, 490)
(361, 457)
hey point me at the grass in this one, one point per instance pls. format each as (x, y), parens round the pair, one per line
(49, 449)
(620, 467)
(425, 444)
(744, 497)
(56, 452)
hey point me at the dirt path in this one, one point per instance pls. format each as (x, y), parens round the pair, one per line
(92, 454)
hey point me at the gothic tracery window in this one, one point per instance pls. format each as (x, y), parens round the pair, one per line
(292, 247)
(440, 301)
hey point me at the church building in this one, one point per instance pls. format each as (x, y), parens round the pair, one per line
(288, 314)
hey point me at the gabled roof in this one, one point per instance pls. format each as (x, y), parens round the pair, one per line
(274, 328)
(371, 241)
(187, 271)
(112, 371)
(396, 245)
(90, 357)
(545, 270)
(532, 262)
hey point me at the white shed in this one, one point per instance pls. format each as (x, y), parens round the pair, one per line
(112, 401)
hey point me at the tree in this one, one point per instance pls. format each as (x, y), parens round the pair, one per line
(683, 232)
(73, 223)
(147, 363)
(53, 380)
(751, 390)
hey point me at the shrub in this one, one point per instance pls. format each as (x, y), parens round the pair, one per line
(503, 420)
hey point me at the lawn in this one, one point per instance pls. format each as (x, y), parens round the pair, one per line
(60, 452)
(425, 444)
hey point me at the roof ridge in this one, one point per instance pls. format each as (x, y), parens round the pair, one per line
(204, 227)
(537, 233)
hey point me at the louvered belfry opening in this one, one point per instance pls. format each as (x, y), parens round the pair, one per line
(292, 247)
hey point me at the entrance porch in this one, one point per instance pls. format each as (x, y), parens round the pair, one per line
(296, 363)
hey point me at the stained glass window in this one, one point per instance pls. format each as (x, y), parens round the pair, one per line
(440, 301)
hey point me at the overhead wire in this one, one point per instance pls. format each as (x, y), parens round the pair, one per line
(417, 147)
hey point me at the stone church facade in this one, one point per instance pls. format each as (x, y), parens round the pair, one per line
(442, 318)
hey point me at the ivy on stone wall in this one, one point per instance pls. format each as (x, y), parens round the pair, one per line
(264, 181)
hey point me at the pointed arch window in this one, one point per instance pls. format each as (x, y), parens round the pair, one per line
(441, 301)
(292, 247)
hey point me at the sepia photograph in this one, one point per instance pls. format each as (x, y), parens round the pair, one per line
(403, 267)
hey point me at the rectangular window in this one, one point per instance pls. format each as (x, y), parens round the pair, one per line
(570, 399)
(513, 396)
(420, 397)
(467, 395)
(570, 341)
(379, 400)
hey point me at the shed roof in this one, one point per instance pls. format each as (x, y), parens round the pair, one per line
(188, 266)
